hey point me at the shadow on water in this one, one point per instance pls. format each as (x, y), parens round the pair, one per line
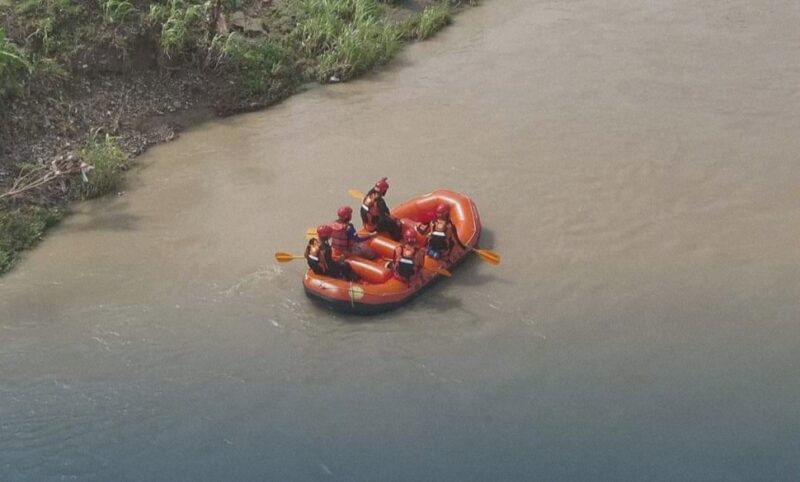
(487, 239)
(115, 216)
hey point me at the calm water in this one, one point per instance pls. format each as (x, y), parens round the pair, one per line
(635, 163)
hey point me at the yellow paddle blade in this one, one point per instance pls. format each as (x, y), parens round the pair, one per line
(356, 194)
(286, 257)
(311, 233)
(489, 256)
(440, 271)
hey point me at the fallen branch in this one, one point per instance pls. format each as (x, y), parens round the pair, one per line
(59, 168)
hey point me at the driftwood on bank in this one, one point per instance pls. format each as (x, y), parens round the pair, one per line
(59, 168)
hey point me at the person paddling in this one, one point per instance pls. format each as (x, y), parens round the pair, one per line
(319, 255)
(345, 238)
(408, 259)
(375, 213)
(441, 233)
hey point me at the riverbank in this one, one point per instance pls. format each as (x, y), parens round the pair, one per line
(91, 85)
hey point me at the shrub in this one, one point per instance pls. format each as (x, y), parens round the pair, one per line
(108, 160)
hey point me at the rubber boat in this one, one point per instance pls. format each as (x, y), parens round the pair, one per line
(378, 289)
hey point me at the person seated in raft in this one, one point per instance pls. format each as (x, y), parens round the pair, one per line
(408, 258)
(319, 255)
(375, 213)
(345, 238)
(441, 233)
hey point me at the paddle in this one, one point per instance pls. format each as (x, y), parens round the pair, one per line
(312, 233)
(489, 256)
(440, 271)
(356, 194)
(286, 257)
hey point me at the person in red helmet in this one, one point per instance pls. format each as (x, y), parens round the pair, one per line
(319, 256)
(441, 233)
(345, 238)
(408, 258)
(375, 213)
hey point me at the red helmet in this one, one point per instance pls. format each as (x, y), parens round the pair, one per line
(382, 186)
(442, 209)
(345, 213)
(324, 231)
(410, 236)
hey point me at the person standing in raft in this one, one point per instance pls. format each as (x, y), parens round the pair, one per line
(375, 213)
(319, 255)
(441, 233)
(408, 258)
(345, 238)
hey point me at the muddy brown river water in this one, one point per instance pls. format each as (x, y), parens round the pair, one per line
(636, 163)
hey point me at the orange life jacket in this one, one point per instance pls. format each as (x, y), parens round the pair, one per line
(339, 239)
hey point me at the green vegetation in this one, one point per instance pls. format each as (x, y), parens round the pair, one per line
(118, 11)
(21, 229)
(264, 66)
(14, 68)
(109, 162)
(54, 28)
(431, 20)
(304, 39)
(345, 37)
(182, 25)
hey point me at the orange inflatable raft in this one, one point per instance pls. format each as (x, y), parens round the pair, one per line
(378, 289)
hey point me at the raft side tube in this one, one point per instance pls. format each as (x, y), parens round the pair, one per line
(374, 272)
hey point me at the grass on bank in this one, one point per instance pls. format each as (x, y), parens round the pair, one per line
(345, 37)
(22, 229)
(264, 66)
(425, 24)
(109, 162)
(305, 39)
(14, 68)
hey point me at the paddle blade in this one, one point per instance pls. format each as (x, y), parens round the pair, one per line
(356, 194)
(311, 233)
(282, 257)
(489, 256)
(440, 271)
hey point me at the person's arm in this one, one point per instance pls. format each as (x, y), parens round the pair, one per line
(352, 233)
(325, 256)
